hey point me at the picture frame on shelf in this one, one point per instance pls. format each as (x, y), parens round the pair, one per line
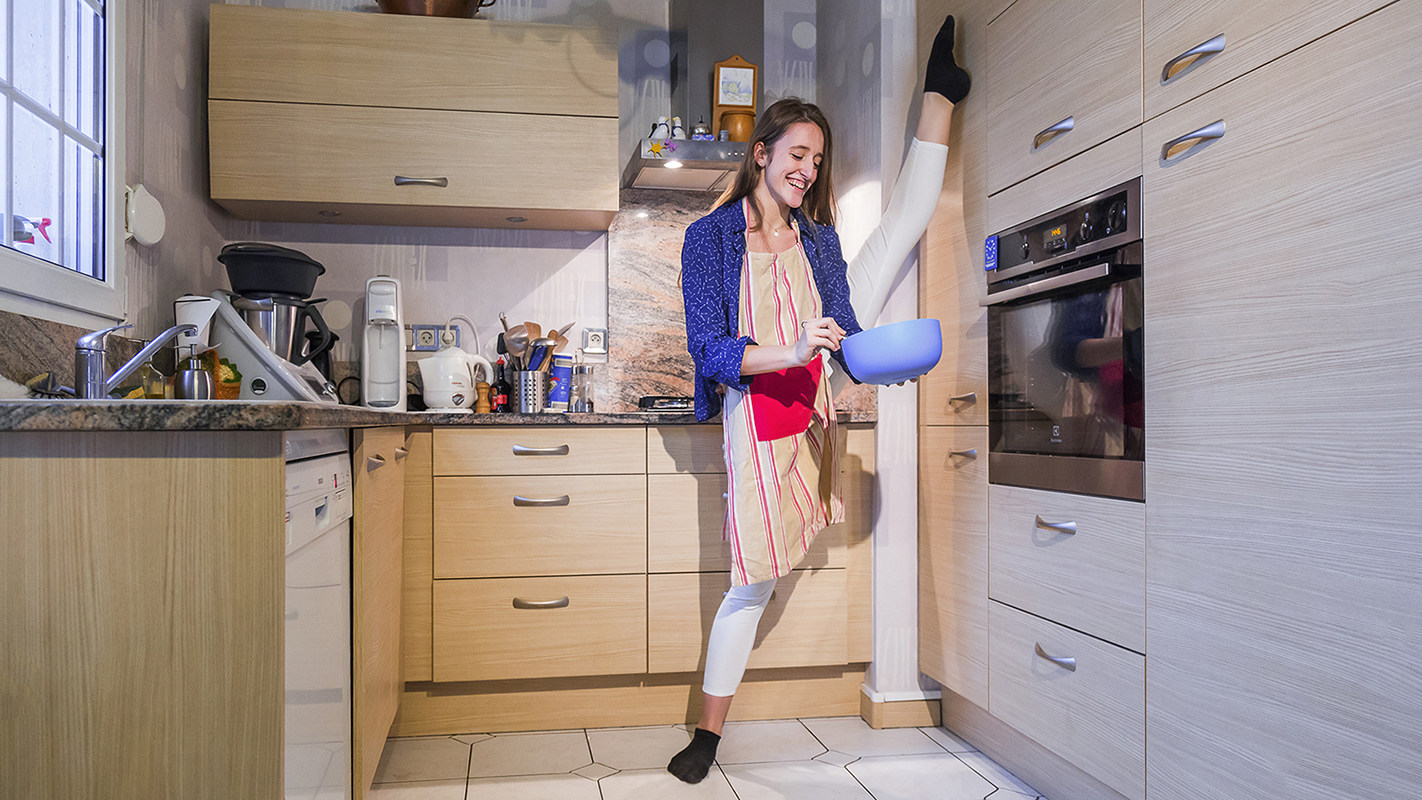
(735, 86)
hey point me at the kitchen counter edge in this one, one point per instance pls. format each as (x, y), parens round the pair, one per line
(180, 415)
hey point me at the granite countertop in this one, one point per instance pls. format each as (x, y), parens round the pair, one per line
(190, 415)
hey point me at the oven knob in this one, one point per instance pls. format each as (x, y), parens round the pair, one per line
(1116, 218)
(1026, 249)
(1088, 231)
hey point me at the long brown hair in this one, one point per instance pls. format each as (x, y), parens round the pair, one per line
(818, 205)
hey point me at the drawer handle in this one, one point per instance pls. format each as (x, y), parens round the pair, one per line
(401, 180)
(973, 453)
(1214, 46)
(1068, 664)
(1053, 132)
(1069, 528)
(560, 450)
(519, 602)
(540, 502)
(1184, 144)
(374, 463)
(970, 397)
(401, 452)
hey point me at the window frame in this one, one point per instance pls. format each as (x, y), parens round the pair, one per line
(35, 287)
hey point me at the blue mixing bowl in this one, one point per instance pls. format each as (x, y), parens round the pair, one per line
(895, 352)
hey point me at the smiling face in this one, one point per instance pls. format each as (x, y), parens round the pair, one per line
(791, 165)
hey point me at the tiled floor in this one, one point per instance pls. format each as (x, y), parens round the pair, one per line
(839, 758)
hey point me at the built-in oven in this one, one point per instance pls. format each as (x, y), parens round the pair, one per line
(1065, 317)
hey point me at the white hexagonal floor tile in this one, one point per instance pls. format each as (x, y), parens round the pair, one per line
(529, 754)
(658, 784)
(941, 777)
(637, 748)
(853, 735)
(422, 760)
(760, 742)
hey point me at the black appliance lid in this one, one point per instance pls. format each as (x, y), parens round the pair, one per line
(245, 252)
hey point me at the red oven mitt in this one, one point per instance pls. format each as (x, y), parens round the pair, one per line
(783, 402)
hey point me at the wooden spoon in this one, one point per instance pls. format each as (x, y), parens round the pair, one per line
(535, 331)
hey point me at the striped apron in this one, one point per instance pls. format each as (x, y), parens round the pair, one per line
(781, 465)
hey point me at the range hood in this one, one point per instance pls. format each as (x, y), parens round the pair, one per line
(682, 164)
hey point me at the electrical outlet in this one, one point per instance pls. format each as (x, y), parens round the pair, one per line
(595, 341)
(426, 337)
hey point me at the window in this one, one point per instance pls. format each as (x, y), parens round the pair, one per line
(60, 214)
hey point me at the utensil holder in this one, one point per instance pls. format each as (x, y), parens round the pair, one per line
(530, 391)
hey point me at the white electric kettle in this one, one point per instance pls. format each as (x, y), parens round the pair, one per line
(449, 379)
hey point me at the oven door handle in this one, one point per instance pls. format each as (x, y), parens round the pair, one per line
(1091, 273)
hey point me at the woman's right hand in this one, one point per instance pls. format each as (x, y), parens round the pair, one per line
(815, 334)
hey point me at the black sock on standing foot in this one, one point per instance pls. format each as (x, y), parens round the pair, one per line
(943, 75)
(692, 764)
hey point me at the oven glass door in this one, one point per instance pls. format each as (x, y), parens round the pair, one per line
(1065, 373)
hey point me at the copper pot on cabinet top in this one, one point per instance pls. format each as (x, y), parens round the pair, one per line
(739, 124)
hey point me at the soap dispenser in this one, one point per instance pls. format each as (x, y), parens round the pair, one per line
(382, 359)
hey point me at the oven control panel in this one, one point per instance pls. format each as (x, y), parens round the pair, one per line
(1106, 220)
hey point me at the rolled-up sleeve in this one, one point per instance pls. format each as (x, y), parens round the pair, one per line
(716, 353)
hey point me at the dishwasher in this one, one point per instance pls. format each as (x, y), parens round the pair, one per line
(317, 729)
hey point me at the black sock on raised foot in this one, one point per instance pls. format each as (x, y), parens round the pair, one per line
(692, 764)
(943, 75)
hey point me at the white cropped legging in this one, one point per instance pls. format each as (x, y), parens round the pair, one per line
(733, 635)
(872, 274)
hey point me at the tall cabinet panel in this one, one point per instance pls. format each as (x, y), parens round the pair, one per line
(1284, 363)
(952, 545)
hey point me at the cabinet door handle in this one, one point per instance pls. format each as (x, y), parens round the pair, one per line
(1215, 130)
(1068, 528)
(373, 463)
(560, 450)
(401, 452)
(970, 397)
(519, 602)
(973, 453)
(540, 502)
(1068, 664)
(1185, 59)
(1053, 132)
(401, 180)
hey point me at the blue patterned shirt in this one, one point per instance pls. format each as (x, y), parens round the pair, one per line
(711, 257)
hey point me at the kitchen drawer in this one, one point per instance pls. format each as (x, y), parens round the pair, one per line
(1092, 580)
(1254, 34)
(479, 635)
(560, 450)
(319, 157)
(411, 62)
(685, 448)
(685, 518)
(486, 526)
(806, 623)
(1050, 61)
(1094, 716)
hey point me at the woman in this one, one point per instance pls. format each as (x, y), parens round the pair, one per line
(767, 293)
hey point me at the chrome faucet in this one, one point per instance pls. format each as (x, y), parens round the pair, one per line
(89, 366)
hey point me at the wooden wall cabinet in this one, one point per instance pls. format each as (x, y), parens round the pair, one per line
(1054, 64)
(321, 116)
(1193, 46)
(1283, 364)
(377, 571)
